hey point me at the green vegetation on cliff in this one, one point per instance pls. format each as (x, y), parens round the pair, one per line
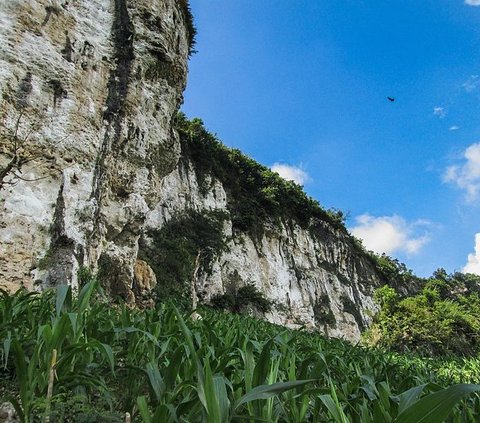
(242, 299)
(189, 22)
(188, 240)
(256, 195)
(443, 318)
(160, 366)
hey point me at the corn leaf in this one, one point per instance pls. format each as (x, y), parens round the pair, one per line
(436, 407)
(268, 391)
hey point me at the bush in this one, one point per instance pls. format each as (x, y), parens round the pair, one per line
(250, 295)
(177, 245)
(244, 297)
(442, 319)
(223, 302)
(189, 21)
(256, 195)
(396, 274)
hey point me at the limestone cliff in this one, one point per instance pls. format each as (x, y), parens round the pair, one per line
(89, 89)
(93, 171)
(298, 255)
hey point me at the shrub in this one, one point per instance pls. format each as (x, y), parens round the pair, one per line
(442, 319)
(244, 297)
(189, 21)
(177, 245)
(250, 295)
(256, 194)
(223, 302)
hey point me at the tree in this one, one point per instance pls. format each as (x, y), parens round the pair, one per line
(18, 145)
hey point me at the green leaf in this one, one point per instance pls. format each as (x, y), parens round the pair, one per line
(211, 400)
(63, 298)
(107, 350)
(143, 409)
(248, 362)
(21, 372)
(193, 352)
(156, 381)
(83, 300)
(222, 396)
(334, 409)
(407, 398)
(263, 364)
(73, 321)
(436, 407)
(164, 414)
(268, 391)
(59, 332)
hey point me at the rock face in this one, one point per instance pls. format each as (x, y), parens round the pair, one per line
(90, 165)
(144, 279)
(320, 281)
(89, 89)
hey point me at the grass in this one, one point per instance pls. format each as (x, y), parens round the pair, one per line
(160, 366)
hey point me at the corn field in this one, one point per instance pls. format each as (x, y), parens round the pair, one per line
(79, 358)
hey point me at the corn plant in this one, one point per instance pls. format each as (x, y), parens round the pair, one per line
(157, 365)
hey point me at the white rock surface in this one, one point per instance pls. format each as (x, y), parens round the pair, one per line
(312, 283)
(88, 91)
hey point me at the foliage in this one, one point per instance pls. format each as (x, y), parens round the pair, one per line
(17, 140)
(443, 318)
(256, 195)
(322, 311)
(160, 366)
(386, 297)
(189, 21)
(84, 275)
(177, 246)
(396, 273)
(245, 297)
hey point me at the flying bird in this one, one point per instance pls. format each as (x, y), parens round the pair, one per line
(391, 98)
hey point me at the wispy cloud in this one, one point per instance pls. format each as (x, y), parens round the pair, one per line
(473, 260)
(291, 173)
(390, 234)
(472, 2)
(467, 175)
(454, 128)
(472, 83)
(440, 112)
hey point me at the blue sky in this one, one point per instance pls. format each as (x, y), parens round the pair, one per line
(301, 85)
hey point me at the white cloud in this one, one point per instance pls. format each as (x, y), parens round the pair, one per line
(440, 112)
(467, 176)
(472, 2)
(291, 173)
(389, 234)
(473, 261)
(454, 128)
(472, 83)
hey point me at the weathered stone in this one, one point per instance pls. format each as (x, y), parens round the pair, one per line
(81, 128)
(294, 269)
(144, 279)
(8, 413)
